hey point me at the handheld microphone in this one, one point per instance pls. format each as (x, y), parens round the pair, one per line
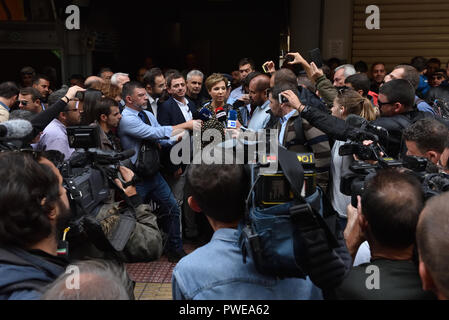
(205, 114)
(15, 129)
(232, 119)
(220, 114)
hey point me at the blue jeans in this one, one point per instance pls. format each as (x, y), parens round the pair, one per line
(158, 190)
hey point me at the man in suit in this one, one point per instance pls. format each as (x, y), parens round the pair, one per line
(155, 85)
(177, 109)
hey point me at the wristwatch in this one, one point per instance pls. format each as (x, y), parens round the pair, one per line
(306, 108)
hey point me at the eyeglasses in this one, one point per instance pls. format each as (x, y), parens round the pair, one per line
(382, 103)
(23, 102)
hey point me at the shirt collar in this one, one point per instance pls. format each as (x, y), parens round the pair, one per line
(4, 106)
(181, 104)
(287, 116)
(225, 234)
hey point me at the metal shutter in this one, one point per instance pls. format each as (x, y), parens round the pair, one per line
(408, 28)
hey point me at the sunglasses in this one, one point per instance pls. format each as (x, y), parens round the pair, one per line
(23, 102)
(380, 104)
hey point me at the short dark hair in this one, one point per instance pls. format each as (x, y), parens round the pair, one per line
(219, 190)
(150, 77)
(77, 77)
(105, 69)
(391, 203)
(26, 183)
(420, 63)
(8, 90)
(281, 87)
(38, 77)
(172, 76)
(359, 81)
(361, 66)
(35, 94)
(410, 74)
(103, 106)
(428, 134)
(246, 61)
(434, 60)
(376, 64)
(285, 75)
(129, 87)
(399, 90)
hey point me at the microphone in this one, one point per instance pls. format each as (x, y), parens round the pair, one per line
(15, 129)
(205, 115)
(220, 114)
(232, 119)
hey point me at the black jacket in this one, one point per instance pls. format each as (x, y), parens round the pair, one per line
(338, 129)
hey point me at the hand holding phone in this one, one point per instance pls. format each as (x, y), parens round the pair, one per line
(268, 67)
(315, 56)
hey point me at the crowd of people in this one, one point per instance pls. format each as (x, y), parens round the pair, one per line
(396, 227)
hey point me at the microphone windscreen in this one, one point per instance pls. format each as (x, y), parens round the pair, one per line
(15, 129)
(356, 121)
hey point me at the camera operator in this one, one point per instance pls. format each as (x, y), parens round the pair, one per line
(35, 208)
(216, 271)
(396, 104)
(65, 111)
(107, 117)
(311, 139)
(386, 216)
(426, 138)
(433, 246)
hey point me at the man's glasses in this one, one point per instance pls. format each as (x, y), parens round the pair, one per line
(382, 103)
(23, 102)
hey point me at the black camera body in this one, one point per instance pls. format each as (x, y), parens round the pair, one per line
(89, 180)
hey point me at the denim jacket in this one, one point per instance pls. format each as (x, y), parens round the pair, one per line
(216, 272)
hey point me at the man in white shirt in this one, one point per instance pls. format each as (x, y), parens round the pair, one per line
(155, 85)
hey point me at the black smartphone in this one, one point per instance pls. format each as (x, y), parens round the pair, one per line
(315, 57)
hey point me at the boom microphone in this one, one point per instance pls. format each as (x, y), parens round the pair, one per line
(15, 129)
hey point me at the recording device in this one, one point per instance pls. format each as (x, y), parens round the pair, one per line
(15, 129)
(274, 189)
(352, 183)
(315, 57)
(80, 95)
(220, 114)
(282, 99)
(232, 119)
(288, 58)
(265, 68)
(89, 175)
(282, 229)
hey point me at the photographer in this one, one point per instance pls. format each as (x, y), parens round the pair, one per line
(35, 209)
(308, 138)
(386, 216)
(396, 101)
(426, 138)
(216, 271)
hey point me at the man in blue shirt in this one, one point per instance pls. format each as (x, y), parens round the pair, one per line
(246, 66)
(216, 271)
(138, 125)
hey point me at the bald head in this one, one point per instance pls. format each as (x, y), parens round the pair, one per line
(258, 89)
(93, 80)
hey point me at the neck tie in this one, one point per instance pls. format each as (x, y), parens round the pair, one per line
(144, 117)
